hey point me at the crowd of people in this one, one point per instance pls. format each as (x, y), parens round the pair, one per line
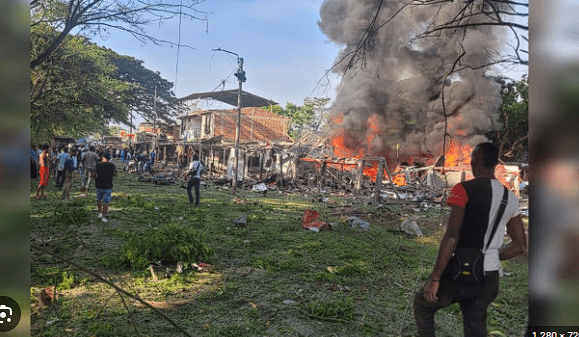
(64, 162)
(93, 164)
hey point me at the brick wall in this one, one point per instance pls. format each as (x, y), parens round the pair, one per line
(256, 125)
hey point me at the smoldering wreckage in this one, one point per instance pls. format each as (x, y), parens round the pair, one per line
(310, 167)
(401, 129)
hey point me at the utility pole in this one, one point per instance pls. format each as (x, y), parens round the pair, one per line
(240, 74)
(154, 145)
(131, 129)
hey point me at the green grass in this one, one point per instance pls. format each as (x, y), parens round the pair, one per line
(272, 278)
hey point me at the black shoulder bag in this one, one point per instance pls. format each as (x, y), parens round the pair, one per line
(467, 264)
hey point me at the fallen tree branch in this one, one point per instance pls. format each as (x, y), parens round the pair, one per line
(111, 284)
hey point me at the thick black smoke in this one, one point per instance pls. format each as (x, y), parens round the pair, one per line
(401, 81)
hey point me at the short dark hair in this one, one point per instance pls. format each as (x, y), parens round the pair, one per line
(107, 156)
(195, 157)
(91, 148)
(45, 147)
(65, 149)
(490, 154)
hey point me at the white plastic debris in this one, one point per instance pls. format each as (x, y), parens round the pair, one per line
(314, 229)
(261, 187)
(357, 222)
(411, 227)
(289, 302)
(388, 195)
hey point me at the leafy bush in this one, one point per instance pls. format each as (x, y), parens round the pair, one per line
(168, 245)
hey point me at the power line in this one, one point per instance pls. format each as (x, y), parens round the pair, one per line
(178, 45)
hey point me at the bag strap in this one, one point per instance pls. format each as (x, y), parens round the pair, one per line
(499, 215)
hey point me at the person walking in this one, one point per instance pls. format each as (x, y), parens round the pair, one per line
(90, 162)
(474, 207)
(44, 171)
(194, 175)
(70, 167)
(60, 169)
(152, 157)
(104, 173)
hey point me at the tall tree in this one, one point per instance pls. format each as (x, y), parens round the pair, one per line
(319, 106)
(310, 116)
(514, 118)
(74, 92)
(82, 87)
(102, 16)
(147, 85)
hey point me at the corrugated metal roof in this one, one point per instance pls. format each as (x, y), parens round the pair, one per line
(248, 100)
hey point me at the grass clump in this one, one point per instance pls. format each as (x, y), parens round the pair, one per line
(168, 245)
(341, 309)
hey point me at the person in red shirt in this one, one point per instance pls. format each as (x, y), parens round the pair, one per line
(473, 206)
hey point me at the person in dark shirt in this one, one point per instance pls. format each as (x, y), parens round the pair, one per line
(474, 205)
(105, 171)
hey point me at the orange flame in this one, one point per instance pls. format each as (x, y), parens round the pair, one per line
(399, 179)
(457, 155)
(343, 151)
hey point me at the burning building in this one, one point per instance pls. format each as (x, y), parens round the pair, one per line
(390, 103)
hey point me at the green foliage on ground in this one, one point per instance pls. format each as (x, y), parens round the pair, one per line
(166, 245)
(272, 278)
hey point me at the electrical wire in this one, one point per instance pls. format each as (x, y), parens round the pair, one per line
(178, 45)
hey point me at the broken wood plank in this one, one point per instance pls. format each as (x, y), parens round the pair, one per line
(378, 185)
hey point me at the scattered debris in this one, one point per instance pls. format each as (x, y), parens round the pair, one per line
(180, 267)
(411, 227)
(289, 302)
(309, 220)
(200, 266)
(241, 221)
(261, 187)
(49, 323)
(152, 270)
(169, 305)
(46, 295)
(355, 222)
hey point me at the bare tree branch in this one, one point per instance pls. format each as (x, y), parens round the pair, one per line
(124, 15)
(114, 286)
(469, 15)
